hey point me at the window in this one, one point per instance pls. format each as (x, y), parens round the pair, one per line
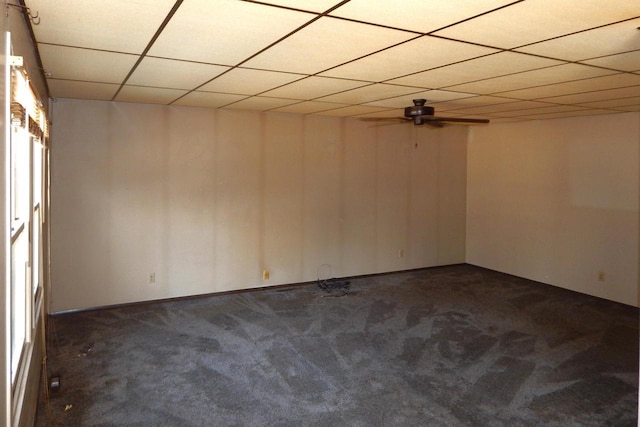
(19, 267)
(20, 185)
(37, 254)
(28, 155)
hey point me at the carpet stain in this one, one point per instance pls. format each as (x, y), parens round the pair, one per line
(587, 402)
(517, 343)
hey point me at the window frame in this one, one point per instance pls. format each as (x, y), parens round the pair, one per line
(28, 208)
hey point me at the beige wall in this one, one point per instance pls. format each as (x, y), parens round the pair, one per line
(207, 199)
(557, 201)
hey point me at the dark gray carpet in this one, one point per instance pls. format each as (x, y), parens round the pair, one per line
(448, 346)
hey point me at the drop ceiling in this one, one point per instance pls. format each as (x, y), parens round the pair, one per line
(499, 59)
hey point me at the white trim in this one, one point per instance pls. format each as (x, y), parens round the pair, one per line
(5, 251)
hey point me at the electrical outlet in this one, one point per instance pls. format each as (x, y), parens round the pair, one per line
(400, 253)
(265, 274)
(152, 277)
(601, 276)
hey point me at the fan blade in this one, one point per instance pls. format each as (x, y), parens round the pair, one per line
(455, 120)
(386, 121)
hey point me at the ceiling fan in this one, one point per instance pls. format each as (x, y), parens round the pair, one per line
(420, 114)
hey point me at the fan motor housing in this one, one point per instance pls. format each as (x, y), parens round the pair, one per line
(418, 110)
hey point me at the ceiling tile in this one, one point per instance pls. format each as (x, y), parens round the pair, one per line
(173, 74)
(485, 67)
(224, 31)
(416, 15)
(385, 114)
(148, 95)
(370, 93)
(416, 55)
(123, 27)
(81, 90)
(541, 110)
(533, 21)
(473, 101)
(430, 95)
(309, 107)
(607, 40)
(366, 56)
(633, 101)
(435, 96)
(584, 85)
(629, 61)
(85, 64)
(506, 106)
(249, 82)
(576, 113)
(326, 43)
(600, 95)
(317, 6)
(261, 103)
(544, 76)
(207, 99)
(353, 110)
(314, 87)
(629, 108)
